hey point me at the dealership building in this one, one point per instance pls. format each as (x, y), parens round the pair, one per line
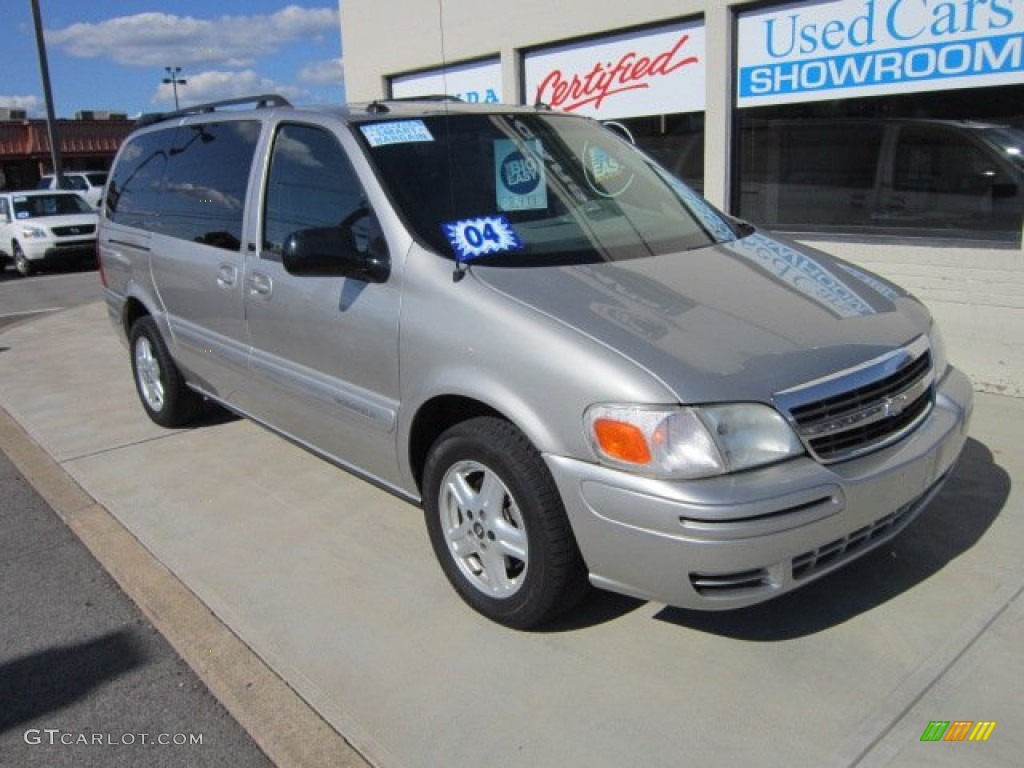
(887, 132)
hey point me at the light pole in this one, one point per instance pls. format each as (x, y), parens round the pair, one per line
(51, 118)
(174, 81)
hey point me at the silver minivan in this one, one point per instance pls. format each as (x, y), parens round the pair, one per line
(582, 371)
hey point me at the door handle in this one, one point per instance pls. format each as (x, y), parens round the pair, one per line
(261, 285)
(226, 275)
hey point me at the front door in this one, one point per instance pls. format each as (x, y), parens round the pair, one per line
(324, 358)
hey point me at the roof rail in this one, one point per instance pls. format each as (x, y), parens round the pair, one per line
(380, 106)
(427, 97)
(262, 101)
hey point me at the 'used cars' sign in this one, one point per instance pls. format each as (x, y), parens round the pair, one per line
(849, 48)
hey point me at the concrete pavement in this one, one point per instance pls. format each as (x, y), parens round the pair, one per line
(331, 583)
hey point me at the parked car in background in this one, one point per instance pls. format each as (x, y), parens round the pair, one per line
(514, 318)
(87, 183)
(43, 228)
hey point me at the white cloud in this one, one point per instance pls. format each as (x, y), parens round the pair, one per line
(32, 104)
(326, 72)
(156, 39)
(214, 86)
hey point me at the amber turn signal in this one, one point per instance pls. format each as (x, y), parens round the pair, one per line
(621, 441)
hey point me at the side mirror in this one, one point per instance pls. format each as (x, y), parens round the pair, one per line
(334, 252)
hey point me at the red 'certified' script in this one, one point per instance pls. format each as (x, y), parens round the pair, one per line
(627, 74)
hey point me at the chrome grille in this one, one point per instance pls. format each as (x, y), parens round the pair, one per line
(80, 229)
(865, 408)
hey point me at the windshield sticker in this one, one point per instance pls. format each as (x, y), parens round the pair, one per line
(23, 214)
(700, 208)
(473, 238)
(398, 132)
(605, 174)
(519, 178)
(21, 199)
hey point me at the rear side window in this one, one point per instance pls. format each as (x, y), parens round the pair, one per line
(133, 198)
(188, 182)
(207, 176)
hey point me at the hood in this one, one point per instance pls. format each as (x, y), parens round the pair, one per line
(738, 321)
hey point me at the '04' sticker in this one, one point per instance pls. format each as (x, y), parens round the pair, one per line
(473, 238)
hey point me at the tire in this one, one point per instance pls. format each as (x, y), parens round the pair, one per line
(21, 263)
(165, 397)
(498, 526)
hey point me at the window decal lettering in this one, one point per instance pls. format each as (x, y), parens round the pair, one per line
(397, 132)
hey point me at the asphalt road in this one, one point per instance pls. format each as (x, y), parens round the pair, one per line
(85, 679)
(23, 298)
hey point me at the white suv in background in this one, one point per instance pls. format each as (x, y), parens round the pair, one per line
(89, 184)
(40, 227)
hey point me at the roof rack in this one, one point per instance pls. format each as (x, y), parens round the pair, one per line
(262, 101)
(378, 106)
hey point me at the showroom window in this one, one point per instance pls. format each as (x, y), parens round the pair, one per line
(928, 165)
(854, 119)
(650, 83)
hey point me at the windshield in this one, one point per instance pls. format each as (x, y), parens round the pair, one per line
(531, 189)
(36, 206)
(97, 179)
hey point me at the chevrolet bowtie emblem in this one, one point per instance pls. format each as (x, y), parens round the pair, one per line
(894, 406)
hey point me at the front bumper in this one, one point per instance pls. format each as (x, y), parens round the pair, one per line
(60, 250)
(735, 540)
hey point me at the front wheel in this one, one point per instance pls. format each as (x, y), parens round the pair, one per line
(22, 265)
(498, 526)
(166, 398)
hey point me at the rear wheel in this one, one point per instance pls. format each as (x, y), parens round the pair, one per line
(166, 398)
(498, 525)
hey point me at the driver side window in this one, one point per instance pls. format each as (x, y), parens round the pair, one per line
(311, 185)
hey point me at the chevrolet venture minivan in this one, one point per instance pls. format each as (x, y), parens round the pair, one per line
(581, 370)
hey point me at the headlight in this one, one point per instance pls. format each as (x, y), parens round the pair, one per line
(686, 443)
(938, 347)
(31, 232)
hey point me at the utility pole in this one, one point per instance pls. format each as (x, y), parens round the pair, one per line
(51, 120)
(174, 81)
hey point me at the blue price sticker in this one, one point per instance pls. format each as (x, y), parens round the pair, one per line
(519, 178)
(472, 238)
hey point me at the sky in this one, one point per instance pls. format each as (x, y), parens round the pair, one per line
(110, 55)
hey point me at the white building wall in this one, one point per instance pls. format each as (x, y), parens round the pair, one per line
(976, 294)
